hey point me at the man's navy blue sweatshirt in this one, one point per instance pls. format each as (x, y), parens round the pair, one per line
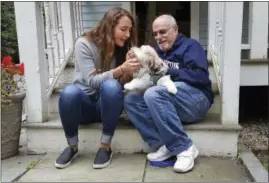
(188, 63)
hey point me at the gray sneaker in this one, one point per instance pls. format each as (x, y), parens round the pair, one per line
(65, 158)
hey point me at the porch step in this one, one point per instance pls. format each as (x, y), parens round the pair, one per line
(68, 75)
(255, 61)
(53, 103)
(243, 61)
(211, 137)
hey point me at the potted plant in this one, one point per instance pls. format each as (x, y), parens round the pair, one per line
(12, 95)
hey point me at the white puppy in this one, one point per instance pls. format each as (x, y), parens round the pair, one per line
(152, 71)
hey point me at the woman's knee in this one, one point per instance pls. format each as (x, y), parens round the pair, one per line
(70, 92)
(69, 99)
(111, 88)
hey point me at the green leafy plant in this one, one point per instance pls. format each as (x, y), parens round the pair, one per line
(9, 43)
(12, 81)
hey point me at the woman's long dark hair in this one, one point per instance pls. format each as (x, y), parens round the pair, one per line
(103, 37)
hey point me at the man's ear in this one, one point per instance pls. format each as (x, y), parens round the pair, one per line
(176, 28)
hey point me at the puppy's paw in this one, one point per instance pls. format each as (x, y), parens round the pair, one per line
(128, 86)
(172, 89)
(168, 83)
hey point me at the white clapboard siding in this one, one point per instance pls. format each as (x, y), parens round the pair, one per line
(97, 3)
(92, 12)
(98, 9)
(93, 16)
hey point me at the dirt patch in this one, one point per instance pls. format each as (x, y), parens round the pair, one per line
(254, 137)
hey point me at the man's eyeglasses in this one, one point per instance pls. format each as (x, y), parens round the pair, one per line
(161, 32)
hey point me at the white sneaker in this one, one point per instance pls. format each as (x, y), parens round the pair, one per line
(185, 160)
(161, 154)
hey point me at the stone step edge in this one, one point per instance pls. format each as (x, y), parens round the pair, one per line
(207, 127)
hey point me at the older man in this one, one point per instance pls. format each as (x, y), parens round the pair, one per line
(157, 114)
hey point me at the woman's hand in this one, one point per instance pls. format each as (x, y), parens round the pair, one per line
(125, 79)
(125, 71)
(130, 66)
(129, 55)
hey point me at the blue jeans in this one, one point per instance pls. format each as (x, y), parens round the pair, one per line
(76, 108)
(158, 115)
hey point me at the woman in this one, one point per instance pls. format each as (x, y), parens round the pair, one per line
(96, 93)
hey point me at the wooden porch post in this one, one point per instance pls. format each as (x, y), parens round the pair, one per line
(68, 24)
(212, 17)
(149, 39)
(258, 29)
(230, 82)
(31, 42)
(195, 20)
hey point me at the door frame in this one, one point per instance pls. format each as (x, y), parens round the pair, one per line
(195, 20)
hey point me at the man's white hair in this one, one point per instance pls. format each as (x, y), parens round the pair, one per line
(171, 20)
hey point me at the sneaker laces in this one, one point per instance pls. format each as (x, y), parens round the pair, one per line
(162, 149)
(186, 154)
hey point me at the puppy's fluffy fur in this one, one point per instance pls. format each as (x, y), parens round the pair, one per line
(153, 68)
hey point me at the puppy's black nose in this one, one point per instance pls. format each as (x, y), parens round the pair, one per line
(156, 69)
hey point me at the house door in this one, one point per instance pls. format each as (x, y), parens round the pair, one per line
(146, 12)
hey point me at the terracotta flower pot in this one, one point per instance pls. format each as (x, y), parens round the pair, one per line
(11, 126)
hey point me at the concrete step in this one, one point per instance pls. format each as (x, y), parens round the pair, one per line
(126, 168)
(68, 75)
(211, 137)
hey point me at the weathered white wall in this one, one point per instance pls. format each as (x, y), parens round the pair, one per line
(258, 29)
